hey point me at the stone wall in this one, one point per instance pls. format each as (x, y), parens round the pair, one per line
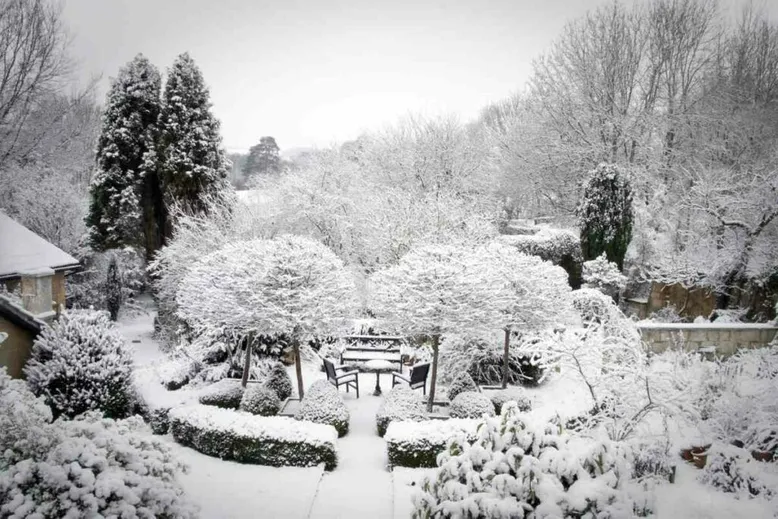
(726, 338)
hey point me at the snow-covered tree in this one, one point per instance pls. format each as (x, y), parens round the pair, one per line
(82, 363)
(263, 158)
(86, 467)
(126, 206)
(604, 275)
(435, 290)
(289, 285)
(113, 286)
(605, 214)
(530, 293)
(193, 163)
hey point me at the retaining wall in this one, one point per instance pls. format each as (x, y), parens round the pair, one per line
(727, 338)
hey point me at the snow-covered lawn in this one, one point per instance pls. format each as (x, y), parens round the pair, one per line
(361, 486)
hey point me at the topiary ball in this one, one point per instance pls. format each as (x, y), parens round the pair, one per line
(226, 393)
(461, 383)
(278, 380)
(260, 400)
(511, 394)
(470, 404)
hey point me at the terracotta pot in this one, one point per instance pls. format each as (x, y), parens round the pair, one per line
(698, 455)
(763, 455)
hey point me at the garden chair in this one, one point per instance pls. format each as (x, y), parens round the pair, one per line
(348, 379)
(417, 378)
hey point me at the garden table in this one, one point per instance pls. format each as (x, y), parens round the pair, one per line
(378, 366)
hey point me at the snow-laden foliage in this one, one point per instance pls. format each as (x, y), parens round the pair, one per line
(260, 400)
(417, 444)
(279, 382)
(739, 399)
(518, 468)
(226, 393)
(81, 363)
(126, 158)
(733, 469)
(604, 275)
(89, 288)
(86, 467)
(471, 404)
(600, 313)
(510, 394)
(323, 404)
(400, 404)
(262, 440)
(288, 285)
(605, 214)
(192, 162)
(559, 246)
(459, 384)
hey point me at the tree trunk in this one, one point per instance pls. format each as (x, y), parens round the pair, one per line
(247, 362)
(298, 368)
(433, 382)
(506, 358)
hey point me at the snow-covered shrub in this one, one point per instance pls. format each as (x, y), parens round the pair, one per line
(733, 469)
(510, 394)
(278, 380)
(471, 404)
(462, 382)
(262, 440)
(400, 404)
(651, 460)
(560, 247)
(518, 468)
(81, 363)
(89, 287)
(158, 418)
(86, 467)
(605, 276)
(332, 351)
(260, 400)
(176, 372)
(323, 404)
(418, 444)
(226, 393)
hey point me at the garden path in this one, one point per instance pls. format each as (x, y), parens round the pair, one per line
(361, 485)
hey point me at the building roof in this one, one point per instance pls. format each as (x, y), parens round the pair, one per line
(19, 316)
(21, 250)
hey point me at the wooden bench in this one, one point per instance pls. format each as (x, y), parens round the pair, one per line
(362, 348)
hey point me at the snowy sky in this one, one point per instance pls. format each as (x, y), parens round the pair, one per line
(319, 71)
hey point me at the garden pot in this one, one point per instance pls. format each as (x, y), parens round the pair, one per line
(697, 455)
(763, 455)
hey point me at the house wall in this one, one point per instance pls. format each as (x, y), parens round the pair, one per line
(58, 289)
(726, 339)
(16, 349)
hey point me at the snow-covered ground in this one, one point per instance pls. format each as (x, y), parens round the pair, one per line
(361, 486)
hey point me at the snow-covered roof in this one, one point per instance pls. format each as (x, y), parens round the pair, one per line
(21, 250)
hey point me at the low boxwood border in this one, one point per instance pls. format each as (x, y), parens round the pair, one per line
(417, 444)
(246, 438)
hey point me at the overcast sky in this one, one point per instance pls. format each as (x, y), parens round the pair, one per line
(319, 71)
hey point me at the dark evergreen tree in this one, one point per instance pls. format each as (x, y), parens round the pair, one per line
(193, 163)
(264, 158)
(113, 289)
(605, 215)
(125, 202)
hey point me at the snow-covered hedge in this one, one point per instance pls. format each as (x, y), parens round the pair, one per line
(323, 404)
(559, 246)
(603, 275)
(81, 363)
(226, 393)
(517, 468)
(400, 404)
(417, 444)
(233, 435)
(278, 380)
(86, 467)
(260, 400)
(461, 383)
(510, 394)
(471, 404)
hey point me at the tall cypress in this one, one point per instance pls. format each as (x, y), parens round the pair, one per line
(125, 202)
(193, 163)
(605, 215)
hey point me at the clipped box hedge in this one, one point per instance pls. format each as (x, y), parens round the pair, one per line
(417, 444)
(261, 440)
(400, 404)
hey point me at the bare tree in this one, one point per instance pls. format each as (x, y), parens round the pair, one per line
(34, 65)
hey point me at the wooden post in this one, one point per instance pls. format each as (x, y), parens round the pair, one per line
(247, 361)
(433, 382)
(506, 356)
(298, 366)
